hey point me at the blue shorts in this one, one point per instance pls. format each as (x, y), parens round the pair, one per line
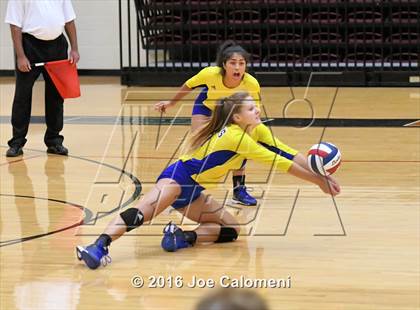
(201, 109)
(190, 190)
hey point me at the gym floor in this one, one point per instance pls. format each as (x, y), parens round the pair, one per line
(357, 251)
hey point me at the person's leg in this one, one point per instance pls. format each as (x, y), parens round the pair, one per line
(163, 194)
(198, 121)
(240, 194)
(54, 112)
(200, 113)
(212, 216)
(216, 225)
(22, 103)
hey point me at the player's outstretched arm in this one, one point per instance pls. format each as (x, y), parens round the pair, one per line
(303, 162)
(161, 106)
(326, 184)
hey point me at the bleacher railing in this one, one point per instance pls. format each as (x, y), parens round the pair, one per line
(372, 42)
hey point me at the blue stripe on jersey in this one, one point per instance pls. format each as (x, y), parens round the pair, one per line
(277, 151)
(196, 166)
(202, 96)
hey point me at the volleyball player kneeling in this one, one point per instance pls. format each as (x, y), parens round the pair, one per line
(233, 134)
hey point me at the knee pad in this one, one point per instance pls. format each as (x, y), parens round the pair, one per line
(132, 217)
(227, 234)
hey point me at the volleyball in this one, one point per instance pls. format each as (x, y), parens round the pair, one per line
(324, 158)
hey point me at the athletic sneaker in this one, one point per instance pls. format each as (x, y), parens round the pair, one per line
(93, 255)
(173, 238)
(241, 196)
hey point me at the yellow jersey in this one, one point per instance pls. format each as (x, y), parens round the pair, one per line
(227, 150)
(211, 80)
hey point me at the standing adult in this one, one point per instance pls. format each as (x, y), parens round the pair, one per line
(37, 32)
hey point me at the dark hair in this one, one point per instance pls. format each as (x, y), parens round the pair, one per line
(221, 117)
(232, 299)
(225, 52)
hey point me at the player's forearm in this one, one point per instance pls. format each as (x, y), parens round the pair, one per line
(70, 28)
(302, 161)
(304, 174)
(17, 40)
(181, 93)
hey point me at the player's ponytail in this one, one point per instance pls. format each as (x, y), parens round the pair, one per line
(226, 50)
(221, 117)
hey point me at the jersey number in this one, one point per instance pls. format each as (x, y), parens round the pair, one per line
(221, 133)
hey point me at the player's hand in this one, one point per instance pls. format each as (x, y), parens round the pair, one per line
(329, 186)
(23, 64)
(334, 183)
(161, 106)
(74, 56)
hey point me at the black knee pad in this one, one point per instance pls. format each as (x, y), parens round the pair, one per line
(132, 217)
(227, 234)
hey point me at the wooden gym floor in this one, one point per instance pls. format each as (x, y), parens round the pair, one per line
(358, 251)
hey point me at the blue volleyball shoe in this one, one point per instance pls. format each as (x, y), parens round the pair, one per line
(173, 238)
(93, 255)
(241, 196)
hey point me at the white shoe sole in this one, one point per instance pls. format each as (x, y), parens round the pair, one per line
(233, 200)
